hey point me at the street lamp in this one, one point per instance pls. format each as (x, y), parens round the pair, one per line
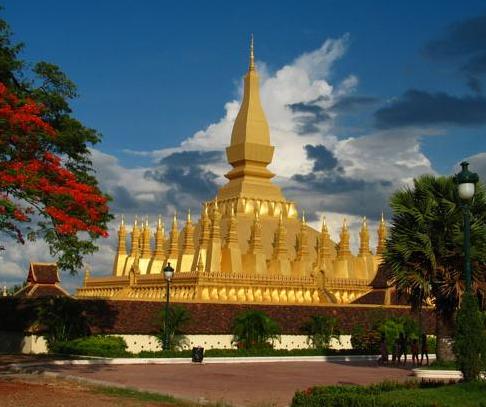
(168, 273)
(466, 183)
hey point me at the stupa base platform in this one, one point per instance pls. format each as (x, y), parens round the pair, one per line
(207, 287)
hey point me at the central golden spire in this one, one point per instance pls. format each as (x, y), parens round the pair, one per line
(250, 150)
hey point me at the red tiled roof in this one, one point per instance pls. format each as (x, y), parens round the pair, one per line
(43, 273)
(41, 290)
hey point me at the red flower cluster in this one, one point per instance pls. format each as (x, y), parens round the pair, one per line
(32, 175)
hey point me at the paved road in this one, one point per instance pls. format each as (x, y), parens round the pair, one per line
(248, 384)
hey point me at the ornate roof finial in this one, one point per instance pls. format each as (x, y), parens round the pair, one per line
(159, 221)
(122, 223)
(382, 217)
(189, 215)
(345, 223)
(303, 217)
(252, 54)
(365, 222)
(135, 223)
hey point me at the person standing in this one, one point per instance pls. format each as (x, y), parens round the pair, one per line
(424, 349)
(383, 350)
(415, 351)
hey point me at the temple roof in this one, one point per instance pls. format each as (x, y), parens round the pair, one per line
(42, 281)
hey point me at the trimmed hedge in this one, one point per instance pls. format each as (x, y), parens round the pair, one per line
(97, 345)
(356, 396)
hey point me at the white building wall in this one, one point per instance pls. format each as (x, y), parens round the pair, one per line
(34, 344)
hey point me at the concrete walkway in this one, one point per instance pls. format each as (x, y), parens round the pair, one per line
(246, 384)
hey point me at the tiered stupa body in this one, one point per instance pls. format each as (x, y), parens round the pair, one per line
(248, 246)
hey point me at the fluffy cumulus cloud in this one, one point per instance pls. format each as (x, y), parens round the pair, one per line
(325, 174)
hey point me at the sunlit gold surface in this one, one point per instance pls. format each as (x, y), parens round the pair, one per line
(249, 245)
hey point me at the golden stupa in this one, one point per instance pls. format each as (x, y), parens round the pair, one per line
(249, 245)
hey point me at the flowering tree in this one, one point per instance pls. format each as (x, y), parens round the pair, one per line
(47, 187)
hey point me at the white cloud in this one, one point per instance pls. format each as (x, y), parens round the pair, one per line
(373, 165)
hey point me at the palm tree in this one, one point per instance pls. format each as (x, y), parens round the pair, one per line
(424, 254)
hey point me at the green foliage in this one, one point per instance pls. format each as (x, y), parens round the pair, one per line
(470, 338)
(254, 329)
(424, 252)
(365, 340)
(253, 352)
(320, 329)
(390, 394)
(63, 319)
(177, 317)
(96, 345)
(393, 327)
(45, 83)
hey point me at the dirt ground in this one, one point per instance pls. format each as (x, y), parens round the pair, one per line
(245, 384)
(37, 391)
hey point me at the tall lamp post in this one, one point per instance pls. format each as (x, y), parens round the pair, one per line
(168, 273)
(466, 184)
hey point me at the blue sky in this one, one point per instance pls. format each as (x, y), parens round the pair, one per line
(361, 96)
(152, 73)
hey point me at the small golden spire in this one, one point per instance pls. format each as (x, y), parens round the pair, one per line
(122, 223)
(159, 222)
(303, 217)
(382, 217)
(189, 216)
(345, 224)
(135, 223)
(252, 54)
(365, 222)
(174, 220)
(324, 224)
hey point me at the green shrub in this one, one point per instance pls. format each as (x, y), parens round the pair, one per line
(254, 329)
(178, 316)
(354, 396)
(470, 338)
(97, 345)
(320, 329)
(364, 340)
(63, 320)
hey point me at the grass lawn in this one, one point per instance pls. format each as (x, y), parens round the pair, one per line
(145, 396)
(411, 394)
(471, 394)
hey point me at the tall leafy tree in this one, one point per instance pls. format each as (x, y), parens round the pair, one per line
(48, 187)
(424, 252)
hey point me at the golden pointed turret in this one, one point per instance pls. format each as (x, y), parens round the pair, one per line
(343, 246)
(135, 238)
(364, 239)
(186, 257)
(173, 254)
(213, 263)
(250, 151)
(380, 248)
(204, 233)
(255, 261)
(280, 261)
(146, 240)
(302, 265)
(122, 235)
(231, 252)
(159, 240)
(325, 243)
(121, 252)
